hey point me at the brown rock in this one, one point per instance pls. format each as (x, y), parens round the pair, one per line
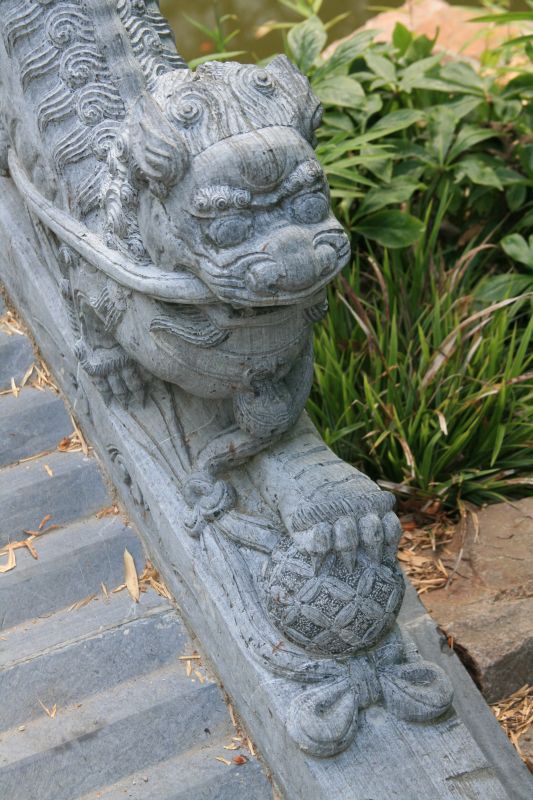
(487, 608)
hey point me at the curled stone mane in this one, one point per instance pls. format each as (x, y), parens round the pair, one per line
(186, 113)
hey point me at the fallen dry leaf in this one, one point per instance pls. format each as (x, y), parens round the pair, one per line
(10, 324)
(50, 712)
(43, 522)
(83, 444)
(250, 746)
(27, 376)
(107, 512)
(82, 603)
(150, 579)
(48, 470)
(10, 549)
(45, 530)
(515, 715)
(239, 759)
(14, 388)
(28, 544)
(11, 560)
(130, 576)
(223, 760)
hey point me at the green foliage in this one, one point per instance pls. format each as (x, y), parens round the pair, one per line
(424, 369)
(217, 36)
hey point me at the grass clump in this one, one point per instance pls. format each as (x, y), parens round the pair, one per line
(424, 366)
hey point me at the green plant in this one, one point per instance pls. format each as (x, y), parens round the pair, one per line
(217, 36)
(424, 371)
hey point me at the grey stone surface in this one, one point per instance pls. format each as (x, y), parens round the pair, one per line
(488, 608)
(48, 633)
(113, 656)
(124, 703)
(470, 705)
(16, 356)
(28, 492)
(195, 774)
(73, 562)
(196, 241)
(34, 419)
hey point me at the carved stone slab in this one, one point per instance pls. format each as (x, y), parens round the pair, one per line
(462, 755)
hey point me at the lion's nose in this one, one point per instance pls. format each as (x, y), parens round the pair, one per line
(292, 264)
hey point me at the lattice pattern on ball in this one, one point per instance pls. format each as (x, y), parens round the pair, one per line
(333, 612)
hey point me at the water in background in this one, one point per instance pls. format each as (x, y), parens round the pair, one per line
(254, 13)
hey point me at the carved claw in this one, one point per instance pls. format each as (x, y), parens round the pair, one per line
(346, 541)
(393, 532)
(372, 537)
(316, 541)
(113, 374)
(125, 385)
(351, 538)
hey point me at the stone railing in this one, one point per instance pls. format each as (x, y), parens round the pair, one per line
(171, 238)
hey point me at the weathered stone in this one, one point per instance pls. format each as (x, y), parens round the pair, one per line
(195, 243)
(65, 486)
(488, 607)
(72, 564)
(192, 242)
(16, 356)
(32, 422)
(125, 706)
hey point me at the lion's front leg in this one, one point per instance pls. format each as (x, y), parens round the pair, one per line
(327, 506)
(97, 309)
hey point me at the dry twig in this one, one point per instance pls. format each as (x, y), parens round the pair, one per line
(515, 715)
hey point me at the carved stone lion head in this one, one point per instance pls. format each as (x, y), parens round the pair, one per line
(215, 173)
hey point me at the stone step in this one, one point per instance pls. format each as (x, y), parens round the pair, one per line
(33, 422)
(98, 750)
(134, 709)
(143, 638)
(193, 775)
(16, 357)
(73, 563)
(68, 486)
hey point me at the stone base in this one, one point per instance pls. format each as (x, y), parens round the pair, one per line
(462, 755)
(488, 607)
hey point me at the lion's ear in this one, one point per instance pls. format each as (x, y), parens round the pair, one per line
(159, 153)
(297, 86)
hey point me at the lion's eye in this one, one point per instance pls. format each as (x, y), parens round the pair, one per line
(230, 231)
(310, 208)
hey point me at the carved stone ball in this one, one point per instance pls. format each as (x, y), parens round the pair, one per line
(329, 610)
